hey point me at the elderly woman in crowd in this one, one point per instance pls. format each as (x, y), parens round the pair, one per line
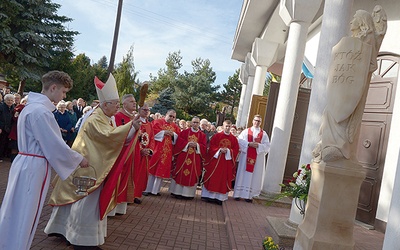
(13, 144)
(74, 119)
(6, 108)
(63, 120)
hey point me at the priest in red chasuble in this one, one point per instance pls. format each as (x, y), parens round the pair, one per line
(122, 117)
(146, 147)
(165, 135)
(190, 151)
(220, 165)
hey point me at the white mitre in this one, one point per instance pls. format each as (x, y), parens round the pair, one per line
(106, 91)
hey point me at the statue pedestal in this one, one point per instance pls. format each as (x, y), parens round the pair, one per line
(331, 207)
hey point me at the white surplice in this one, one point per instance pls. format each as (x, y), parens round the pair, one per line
(41, 147)
(247, 184)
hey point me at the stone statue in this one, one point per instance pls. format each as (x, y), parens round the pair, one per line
(353, 60)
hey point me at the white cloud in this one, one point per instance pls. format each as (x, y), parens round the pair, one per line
(156, 27)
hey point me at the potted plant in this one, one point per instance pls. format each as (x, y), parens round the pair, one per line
(297, 187)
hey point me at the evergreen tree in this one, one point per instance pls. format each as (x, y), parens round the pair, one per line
(32, 35)
(167, 77)
(125, 76)
(194, 91)
(164, 102)
(83, 75)
(231, 93)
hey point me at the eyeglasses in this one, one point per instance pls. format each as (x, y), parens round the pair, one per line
(146, 109)
(172, 116)
(195, 122)
(114, 102)
(257, 120)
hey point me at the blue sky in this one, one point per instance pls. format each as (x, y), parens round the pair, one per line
(202, 28)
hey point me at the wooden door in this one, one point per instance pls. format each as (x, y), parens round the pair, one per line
(299, 123)
(258, 107)
(374, 134)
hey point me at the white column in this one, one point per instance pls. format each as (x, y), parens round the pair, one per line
(264, 54)
(250, 69)
(246, 104)
(243, 77)
(298, 14)
(259, 80)
(392, 233)
(335, 25)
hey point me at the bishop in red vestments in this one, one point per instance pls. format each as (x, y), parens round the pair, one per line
(190, 151)
(220, 167)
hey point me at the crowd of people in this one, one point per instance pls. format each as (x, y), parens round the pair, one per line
(128, 150)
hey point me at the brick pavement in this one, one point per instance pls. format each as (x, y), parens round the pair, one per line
(163, 222)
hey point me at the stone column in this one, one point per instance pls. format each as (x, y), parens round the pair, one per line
(243, 77)
(264, 54)
(298, 15)
(328, 225)
(249, 88)
(335, 23)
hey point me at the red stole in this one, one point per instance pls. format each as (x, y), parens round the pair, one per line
(252, 152)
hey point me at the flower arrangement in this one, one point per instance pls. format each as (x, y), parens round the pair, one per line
(269, 244)
(298, 187)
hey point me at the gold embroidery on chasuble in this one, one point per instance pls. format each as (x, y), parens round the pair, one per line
(225, 143)
(186, 172)
(251, 161)
(192, 138)
(166, 150)
(188, 161)
(190, 151)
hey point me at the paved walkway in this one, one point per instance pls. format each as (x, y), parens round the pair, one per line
(163, 222)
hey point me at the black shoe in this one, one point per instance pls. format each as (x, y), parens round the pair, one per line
(237, 199)
(137, 201)
(187, 198)
(86, 247)
(158, 194)
(218, 202)
(205, 199)
(145, 193)
(61, 237)
(249, 200)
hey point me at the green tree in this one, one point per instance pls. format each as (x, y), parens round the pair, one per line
(194, 91)
(164, 102)
(231, 93)
(32, 35)
(83, 74)
(167, 77)
(125, 76)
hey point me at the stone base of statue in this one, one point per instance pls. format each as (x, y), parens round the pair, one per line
(331, 207)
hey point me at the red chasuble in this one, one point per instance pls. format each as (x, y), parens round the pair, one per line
(141, 169)
(121, 119)
(189, 163)
(161, 161)
(220, 172)
(119, 182)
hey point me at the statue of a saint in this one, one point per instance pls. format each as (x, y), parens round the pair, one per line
(353, 61)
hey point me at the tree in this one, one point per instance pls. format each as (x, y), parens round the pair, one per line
(164, 102)
(125, 76)
(167, 77)
(83, 74)
(231, 93)
(194, 91)
(32, 35)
